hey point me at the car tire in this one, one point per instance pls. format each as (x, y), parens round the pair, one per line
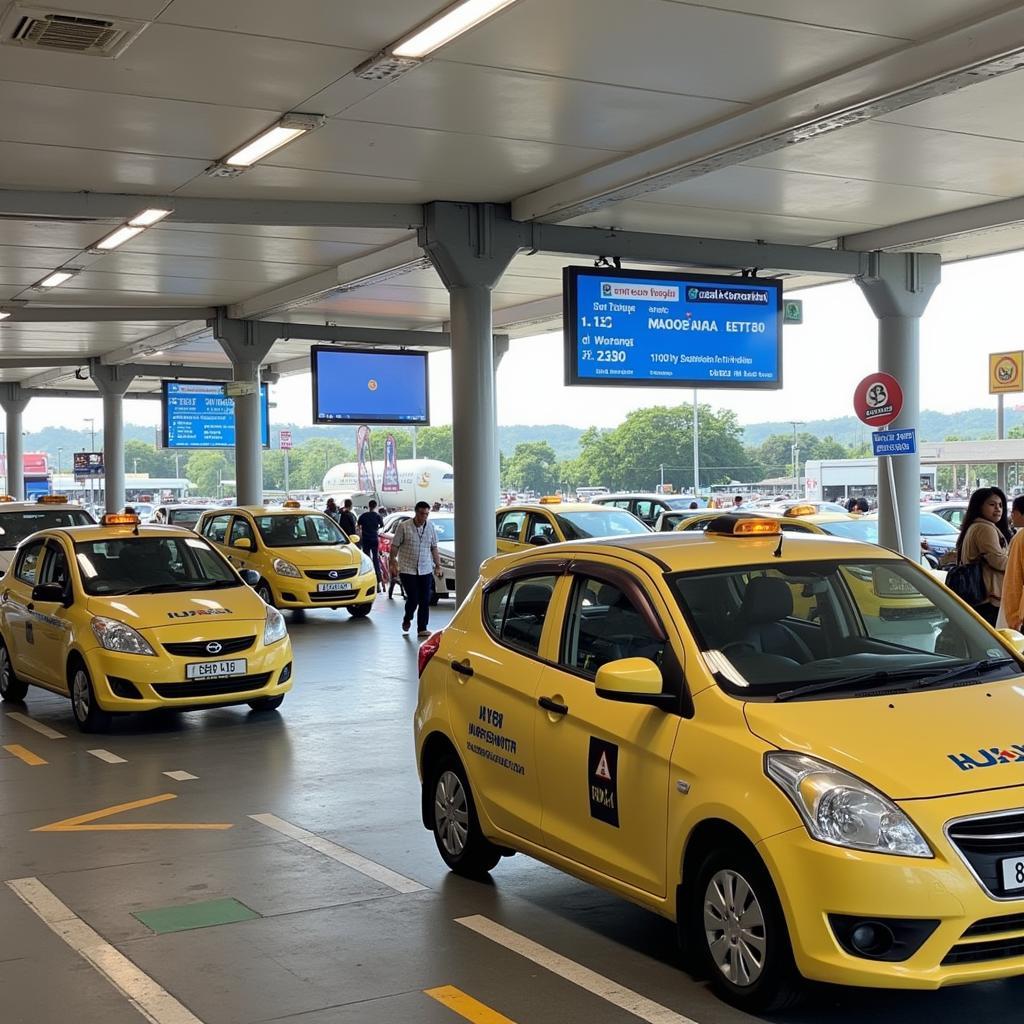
(359, 611)
(453, 821)
(89, 716)
(736, 930)
(264, 592)
(11, 687)
(267, 703)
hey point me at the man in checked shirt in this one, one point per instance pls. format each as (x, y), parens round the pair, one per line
(415, 557)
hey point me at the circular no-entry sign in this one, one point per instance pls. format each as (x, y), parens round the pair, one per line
(878, 399)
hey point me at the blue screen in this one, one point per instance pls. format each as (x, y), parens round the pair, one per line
(198, 414)
(360, 386)
(671, 330)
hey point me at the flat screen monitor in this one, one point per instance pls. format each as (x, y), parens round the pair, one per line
(369, 386)
(199, 414)
(654, 329)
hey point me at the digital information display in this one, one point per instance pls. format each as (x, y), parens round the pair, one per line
(198, 414)
(626, 327)
(369, 386)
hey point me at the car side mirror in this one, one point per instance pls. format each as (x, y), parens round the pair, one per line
(242, 543)
(55, 593)
(633, 681)
(539, 540)
(353, 539)
(1013, 638)
(250, 577)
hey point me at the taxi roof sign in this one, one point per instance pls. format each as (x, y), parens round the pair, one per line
(291, 503)
(6, 497)
(119, 519)
(800, 510)
(551, 499)
(743, 526)
(52, 499)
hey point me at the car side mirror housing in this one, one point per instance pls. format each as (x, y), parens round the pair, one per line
(55, 593)
(1013, 638)
(353, 539)
(633, 681)
(250, 577)
(243, 544)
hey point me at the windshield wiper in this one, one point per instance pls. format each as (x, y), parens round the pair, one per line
(972, 668)
(157, 588)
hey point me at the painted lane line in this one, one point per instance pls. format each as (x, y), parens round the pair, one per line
(156, 1004)
(43, 730)
(106, 755)
(466, 1006)
(597, 984)
(180, 776)
(371, 869)
(24, 754)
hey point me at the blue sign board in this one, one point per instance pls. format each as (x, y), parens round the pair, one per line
(369, 386)
(198, 414)
(893, 442)
(631, 327)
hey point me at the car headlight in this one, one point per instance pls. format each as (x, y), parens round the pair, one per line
(447, 562)
(365, 565)
(275, 628)
(285, 568)
(119, 636)
(840, 809)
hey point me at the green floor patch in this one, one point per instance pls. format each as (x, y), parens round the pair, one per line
(195, 915)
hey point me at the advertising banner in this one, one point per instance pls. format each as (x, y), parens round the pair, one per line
(363, 458)
(87, 464)
(390, 481)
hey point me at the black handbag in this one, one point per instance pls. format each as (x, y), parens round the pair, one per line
(967, 582)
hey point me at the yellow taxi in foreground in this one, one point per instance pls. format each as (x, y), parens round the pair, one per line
(712, 726)
(303, 557)
(126, 618)
(19, 519)
(521, 527)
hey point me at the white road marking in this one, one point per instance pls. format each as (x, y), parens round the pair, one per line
(44, 730)
(156, 1004)
(180, 776)
(618, 995)
(343, 856)
(106, 755)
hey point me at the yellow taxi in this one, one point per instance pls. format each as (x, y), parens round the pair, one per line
(807, 797)
(521, 527)
(123, 618)
(19, 519)
(303, 557)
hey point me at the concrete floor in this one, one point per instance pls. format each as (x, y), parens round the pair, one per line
(331, 945)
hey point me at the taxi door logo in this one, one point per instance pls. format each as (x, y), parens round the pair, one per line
(603, 781)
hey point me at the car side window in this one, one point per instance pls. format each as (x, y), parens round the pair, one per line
(514, 612)
(604, 624)
(216, 528)
(28, 563)
(240, 529)
(55, 568)
(621, 503)
(646, 511)
(539, 530)
(510, 525)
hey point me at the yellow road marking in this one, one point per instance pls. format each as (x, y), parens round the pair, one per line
(25, 754)
(466, 1006)
(83, 822)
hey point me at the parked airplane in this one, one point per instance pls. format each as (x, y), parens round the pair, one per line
(418, 480)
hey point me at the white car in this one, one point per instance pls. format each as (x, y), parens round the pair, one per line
(178, 515)
(444, 524)
(20, 519)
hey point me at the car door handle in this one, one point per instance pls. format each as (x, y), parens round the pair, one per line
(553, 706)
(463, 668)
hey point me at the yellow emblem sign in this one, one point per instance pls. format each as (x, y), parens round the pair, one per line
(1005, 372)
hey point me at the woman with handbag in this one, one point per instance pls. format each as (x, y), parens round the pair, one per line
(984, 540)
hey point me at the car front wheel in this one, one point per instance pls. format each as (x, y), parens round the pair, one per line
(462, 845)
(89, 716)
(266, 703)
(11, 687)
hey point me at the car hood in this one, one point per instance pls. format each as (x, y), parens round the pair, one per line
(195, 608)
(446, 547)
(958, 740)
(319, 556)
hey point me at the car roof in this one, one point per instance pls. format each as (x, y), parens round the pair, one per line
(26, 506)
(558, 506)
(267, 510)
(124, 531)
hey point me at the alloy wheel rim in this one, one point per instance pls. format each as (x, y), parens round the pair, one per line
(734, 928)
(451, 813)
(80, 695)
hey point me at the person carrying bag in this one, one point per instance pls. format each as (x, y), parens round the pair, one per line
(981, 551)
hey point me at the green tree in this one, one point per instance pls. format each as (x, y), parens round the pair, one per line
(310, 461)
(435, 443)
(533, 467)
(206, 469)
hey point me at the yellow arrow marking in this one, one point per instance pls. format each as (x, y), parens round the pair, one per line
(83, 822)
(466, 1006)
(25, 754)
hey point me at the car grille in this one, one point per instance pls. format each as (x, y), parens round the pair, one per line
(331, 574)
(212, 687)
(995, 925)
(337, 595)
(976, 952)
(984, 841)
(198, 648)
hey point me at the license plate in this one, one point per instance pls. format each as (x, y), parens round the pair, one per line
(1013, 873)
(332, 588)
(215, 669)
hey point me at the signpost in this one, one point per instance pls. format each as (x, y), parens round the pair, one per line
(793, 311)
(1005, 376)
(200, 414)
(284, 441)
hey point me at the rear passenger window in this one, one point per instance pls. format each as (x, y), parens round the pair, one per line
(216, 528)
(28, 563)
(515, 612)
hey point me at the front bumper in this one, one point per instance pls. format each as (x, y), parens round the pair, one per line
(978, 937)
(302, 592)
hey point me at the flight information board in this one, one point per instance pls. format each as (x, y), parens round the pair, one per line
(632, 327)
(199, 414)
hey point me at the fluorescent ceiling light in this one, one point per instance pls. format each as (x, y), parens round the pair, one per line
(148, 217)
(4, 316)
(289, 128)
(447, 26)
(58, 277)
(118, 237)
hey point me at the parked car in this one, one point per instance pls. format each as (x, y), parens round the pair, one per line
(178, 515)
(952, 511)
(646, 507)
(444, 524)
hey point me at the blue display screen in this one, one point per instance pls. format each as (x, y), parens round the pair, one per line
(198, 414)
(367, 386)
(649, 328)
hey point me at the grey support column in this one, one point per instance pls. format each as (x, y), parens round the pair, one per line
(14, 400)
(246, 345)
(898, 287)
(471, 248)
(112, 382)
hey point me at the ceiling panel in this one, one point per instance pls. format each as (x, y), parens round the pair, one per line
(46, 233)
(140, 10)
(128, 262)
(21, 275)
(90, 289)
(373, 237)
(295, 251)
(27, 256)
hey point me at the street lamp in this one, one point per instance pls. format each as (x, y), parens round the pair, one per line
(91, 420)
(60, 452)
(796, 456)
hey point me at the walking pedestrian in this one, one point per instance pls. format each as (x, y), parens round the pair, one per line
(370, 524)
(1011, 606)
(415, 557)
(985, 537)
(331, 508)
(347, 519)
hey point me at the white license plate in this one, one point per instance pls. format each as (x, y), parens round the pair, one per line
(1012, 869)
(332, 588)
(215, 669)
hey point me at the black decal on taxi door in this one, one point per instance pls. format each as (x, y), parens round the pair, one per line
(603, 781)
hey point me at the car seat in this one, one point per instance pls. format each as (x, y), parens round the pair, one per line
(766, 602)
(525, 619)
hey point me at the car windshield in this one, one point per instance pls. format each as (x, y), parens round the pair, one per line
(683, 501)
(853, 529)
(184, 516)
(16, 526)
(141, 565)
(306, 529)
(609, 522)
(835, 628)
(935, 526)
(445, 528)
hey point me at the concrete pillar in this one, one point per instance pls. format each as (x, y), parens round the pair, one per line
(112, 382)
(898, 287)
(14, 400)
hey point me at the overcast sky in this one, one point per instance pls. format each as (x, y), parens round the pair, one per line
(974, 311)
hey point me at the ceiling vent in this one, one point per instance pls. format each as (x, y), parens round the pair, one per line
(94, 35)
